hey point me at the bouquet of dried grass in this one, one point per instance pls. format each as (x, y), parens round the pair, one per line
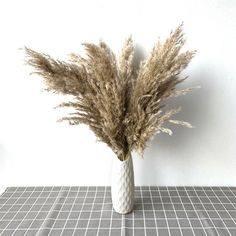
(124, 107)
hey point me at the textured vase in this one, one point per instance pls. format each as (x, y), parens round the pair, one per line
(122, 188)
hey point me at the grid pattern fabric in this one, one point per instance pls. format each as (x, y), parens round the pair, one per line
(87, 211)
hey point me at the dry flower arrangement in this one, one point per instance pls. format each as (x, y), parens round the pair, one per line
(124, 107)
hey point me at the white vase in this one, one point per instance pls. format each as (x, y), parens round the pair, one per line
(122, 187)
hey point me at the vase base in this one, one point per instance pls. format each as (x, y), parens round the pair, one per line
(123, 212)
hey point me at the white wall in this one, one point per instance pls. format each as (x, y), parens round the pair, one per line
(35, 150)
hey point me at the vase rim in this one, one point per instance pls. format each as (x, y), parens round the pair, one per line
(123, 161)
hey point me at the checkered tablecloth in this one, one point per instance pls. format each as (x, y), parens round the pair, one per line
(87, 211)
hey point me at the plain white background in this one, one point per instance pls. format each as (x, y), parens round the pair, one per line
(35, 150)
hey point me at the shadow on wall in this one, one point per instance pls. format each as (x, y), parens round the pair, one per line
(138, 57)
(2, 155)
(184, 141)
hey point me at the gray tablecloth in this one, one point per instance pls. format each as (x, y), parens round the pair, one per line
(174, 211)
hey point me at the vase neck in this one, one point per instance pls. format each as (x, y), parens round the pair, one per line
(127, 157)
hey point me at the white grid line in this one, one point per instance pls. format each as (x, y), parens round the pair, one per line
(112, 212)
(165, 214)
(218, 212)
(196, 213)
(9, 204)
(131, 227)
(137, 210)
(53, 206)
(80, 212)
(234, 220)
(15, 231)
(68, 214)
(186, 213)
(102, 211)
(147, 218)
(209, 218)
(91, 211)
(16, 213)
(37, 214)
(153, 209)
(175, 213)
(144, 223)
(136, 188)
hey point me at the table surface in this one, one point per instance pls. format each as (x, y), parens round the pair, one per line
(87, 211)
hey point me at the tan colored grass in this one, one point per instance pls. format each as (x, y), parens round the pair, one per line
(124, 107)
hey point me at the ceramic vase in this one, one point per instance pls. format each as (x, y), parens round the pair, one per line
(122, 187)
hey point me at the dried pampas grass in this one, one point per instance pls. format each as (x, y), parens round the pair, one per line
(124, 107)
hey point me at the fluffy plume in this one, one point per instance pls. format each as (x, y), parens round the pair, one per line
(123, 107)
